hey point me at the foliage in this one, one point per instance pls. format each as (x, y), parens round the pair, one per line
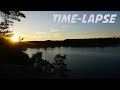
(44, 65)
(39, 63)
(59, 62)
(8, 17)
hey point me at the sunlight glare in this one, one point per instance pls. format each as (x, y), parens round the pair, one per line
(15, 38)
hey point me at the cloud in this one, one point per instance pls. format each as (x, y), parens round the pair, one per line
(45, 36)
(40, 32)
(66, 26)
(57, 35)
(53, 30)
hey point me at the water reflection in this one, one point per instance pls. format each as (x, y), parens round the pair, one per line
(86, 62)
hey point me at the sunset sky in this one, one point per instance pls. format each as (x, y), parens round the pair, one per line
(39, 26)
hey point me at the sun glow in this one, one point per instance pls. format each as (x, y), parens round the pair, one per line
(15, 38)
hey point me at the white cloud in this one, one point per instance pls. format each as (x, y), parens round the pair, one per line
(66, 26)
(57, 35)
(53, 30)
(40, 32)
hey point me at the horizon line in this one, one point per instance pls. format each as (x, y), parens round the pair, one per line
(70, 39)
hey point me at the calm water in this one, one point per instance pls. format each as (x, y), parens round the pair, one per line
(86, 62)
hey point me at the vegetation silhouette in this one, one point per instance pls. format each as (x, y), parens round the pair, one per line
(8, 18)
(14, 61)
(13, 56)
(90, 42)
(57, 68)
(60, 66)
(59, 63)
(40, 64)
(10, 53)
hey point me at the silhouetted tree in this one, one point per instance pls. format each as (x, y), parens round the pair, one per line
(8, 17)
(40, 64)
(58, 67)
(59, 62)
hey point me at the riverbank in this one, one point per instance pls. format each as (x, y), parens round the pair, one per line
(91, 42)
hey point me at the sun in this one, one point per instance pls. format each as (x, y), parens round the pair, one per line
(15, 38)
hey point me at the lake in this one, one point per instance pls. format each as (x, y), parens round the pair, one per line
(87, 63)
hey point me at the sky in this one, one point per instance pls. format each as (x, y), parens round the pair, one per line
(39, 26)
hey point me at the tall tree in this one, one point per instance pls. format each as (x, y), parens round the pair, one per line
(8, 17)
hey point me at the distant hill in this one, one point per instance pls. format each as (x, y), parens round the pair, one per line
(91, 42)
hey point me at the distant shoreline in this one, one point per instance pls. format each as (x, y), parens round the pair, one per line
(95, 42)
